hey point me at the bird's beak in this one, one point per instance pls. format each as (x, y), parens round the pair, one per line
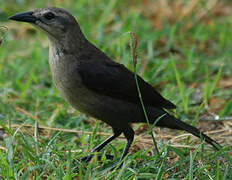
(24, 17)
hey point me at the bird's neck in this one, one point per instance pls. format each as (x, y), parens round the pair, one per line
(70, 43)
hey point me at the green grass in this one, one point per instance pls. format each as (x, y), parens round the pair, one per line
(185, 64)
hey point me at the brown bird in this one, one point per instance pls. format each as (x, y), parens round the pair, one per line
(96, 85)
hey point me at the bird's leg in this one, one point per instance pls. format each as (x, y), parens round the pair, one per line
(129, 134)
(103, 144)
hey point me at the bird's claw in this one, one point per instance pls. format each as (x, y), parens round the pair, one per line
(87, 158)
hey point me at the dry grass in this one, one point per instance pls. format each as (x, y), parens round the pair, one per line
(179, 10)
(222, 135)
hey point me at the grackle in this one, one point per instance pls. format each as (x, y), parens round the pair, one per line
(96, 85)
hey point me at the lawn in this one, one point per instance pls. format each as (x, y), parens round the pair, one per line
(184, 51)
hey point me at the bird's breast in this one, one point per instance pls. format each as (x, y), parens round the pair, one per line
(66, 78)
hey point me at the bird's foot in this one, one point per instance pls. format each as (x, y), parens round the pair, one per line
(87, 158)
(120, 166)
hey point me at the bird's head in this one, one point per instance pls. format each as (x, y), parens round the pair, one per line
(57, 23)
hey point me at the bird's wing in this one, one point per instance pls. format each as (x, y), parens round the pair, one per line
(112, 79)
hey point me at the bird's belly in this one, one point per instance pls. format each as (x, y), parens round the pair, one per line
(73, 92)
(112, 111)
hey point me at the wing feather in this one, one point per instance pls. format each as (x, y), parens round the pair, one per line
(112, 79)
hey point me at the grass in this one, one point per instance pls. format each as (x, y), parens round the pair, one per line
(185, 55)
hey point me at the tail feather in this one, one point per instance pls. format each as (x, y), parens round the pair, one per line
(173, 123)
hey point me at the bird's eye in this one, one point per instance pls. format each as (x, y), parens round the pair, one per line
(49, 15)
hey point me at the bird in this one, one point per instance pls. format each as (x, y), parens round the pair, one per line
(94, 84)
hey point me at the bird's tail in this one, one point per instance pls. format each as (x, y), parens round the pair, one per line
(173, 123)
